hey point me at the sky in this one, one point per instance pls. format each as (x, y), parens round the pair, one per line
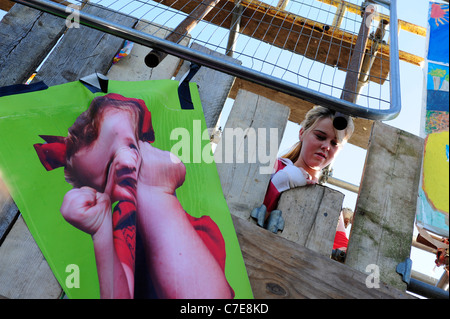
(349, 164)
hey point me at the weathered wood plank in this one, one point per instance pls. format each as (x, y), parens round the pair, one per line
(83, 50)
(8, 211)
(212, 95)
(247, 151)
(383, 224)
(311, 215)
(6, 5)
(26, 37)
(25, 273)
(281, 269)
(133, 68)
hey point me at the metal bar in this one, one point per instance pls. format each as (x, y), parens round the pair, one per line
(426, 290)
(443, 281)
(232, 68)
(343, 184)
(394, 61)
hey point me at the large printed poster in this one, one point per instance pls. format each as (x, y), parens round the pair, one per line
(98, 180)
(433, 209)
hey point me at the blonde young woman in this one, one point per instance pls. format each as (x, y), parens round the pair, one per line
(319, 144)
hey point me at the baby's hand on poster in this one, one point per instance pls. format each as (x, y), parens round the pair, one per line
(86, 209)
(160, 168)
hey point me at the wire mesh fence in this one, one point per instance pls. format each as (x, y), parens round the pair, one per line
(318, 50)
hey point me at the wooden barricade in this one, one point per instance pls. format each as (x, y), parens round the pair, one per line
(277, 267)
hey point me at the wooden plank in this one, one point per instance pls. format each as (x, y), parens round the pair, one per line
(8, 211)
(6, 5)
(25, 273)
(300, 107)
(26, 37)
(356, 9)
(133, 68)
(382, 229)
(83, 50)
(212, 95)
(310, 216)
(281, 269)
(238, 158)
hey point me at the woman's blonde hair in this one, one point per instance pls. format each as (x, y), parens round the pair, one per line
(312, 117)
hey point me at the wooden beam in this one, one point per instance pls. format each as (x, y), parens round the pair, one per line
(26, 37)
(294, 33)
(311, 216)
(83, 50)
(356, 9)
(8, 211)
(299, 108)
(383, 223)
(6, 5)
(281, 269)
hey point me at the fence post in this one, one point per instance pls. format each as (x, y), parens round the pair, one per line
(311, 215)
(383, 224)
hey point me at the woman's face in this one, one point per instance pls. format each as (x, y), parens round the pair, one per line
(319, 147)
(111, 164)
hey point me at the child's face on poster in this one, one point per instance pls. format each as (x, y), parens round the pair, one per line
(111, 164)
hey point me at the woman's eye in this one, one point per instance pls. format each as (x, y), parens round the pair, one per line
(320, 137)
(132, 146)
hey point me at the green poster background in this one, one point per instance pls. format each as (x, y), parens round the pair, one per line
(39, 193)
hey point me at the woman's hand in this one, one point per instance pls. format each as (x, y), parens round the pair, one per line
(160, 168)
(86, 209)
(291, 176)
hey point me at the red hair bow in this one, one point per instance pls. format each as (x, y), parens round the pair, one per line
(52, 154)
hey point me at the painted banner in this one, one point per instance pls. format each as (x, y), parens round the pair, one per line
(111, 206)
(433, 209)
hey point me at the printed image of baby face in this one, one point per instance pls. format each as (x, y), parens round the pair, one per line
(111, 164)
